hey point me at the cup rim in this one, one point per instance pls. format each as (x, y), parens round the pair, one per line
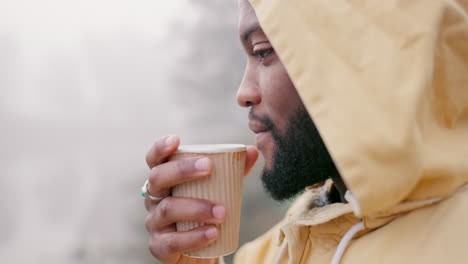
(211, 148)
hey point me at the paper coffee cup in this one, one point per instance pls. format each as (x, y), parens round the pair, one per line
(222, 186)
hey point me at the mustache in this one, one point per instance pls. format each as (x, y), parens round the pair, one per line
(264, 119)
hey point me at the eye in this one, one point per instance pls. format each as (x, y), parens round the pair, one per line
(262, 54)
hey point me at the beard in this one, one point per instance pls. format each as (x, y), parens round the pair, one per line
(300, 158)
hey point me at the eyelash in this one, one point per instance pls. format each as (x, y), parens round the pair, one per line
(262, 54)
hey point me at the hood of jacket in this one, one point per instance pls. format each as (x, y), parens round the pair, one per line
(386, 83)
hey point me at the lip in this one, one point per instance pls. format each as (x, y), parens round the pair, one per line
(261, 132)
(257, 127)
(260, 138)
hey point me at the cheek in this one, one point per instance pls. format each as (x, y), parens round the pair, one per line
(279, 95)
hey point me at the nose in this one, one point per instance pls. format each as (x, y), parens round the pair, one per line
(249, 92)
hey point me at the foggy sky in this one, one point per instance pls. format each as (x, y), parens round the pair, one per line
(86, 88)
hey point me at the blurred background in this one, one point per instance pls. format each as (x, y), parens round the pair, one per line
(86, 88)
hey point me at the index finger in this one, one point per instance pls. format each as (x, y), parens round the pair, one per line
(161, 150)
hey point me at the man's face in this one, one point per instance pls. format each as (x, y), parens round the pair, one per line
(266, 86)
(295, 156)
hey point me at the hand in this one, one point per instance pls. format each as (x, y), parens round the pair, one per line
(165, 243)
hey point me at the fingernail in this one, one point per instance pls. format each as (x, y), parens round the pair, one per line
(219, 212)
(211, 233)
(202, 164)
(170, 141)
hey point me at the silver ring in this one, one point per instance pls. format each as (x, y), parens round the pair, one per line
(145, 193)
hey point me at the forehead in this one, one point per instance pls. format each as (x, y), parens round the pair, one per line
(247, 17)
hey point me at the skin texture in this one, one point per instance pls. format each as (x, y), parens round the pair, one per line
(274, 102)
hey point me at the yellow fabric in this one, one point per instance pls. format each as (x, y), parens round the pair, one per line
(425, 231)
(386, 83)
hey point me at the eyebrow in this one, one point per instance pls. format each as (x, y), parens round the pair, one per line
(250, 30)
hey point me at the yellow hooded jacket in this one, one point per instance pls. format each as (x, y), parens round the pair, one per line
(386, 83)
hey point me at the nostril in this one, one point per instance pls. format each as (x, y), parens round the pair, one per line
(248, 96)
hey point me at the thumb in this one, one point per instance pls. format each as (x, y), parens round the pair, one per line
(251, 156)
